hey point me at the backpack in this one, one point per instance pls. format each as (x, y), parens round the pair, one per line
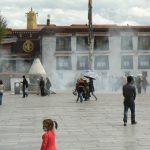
(27, 84)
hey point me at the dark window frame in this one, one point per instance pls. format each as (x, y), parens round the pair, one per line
(103, 60)
(82, 43)
(126, 43)
(143, 42)
(63, 43)
(144, 62)
(66, 59)
(23, 65)
(84, 60)
(101, 43)
(127, 62)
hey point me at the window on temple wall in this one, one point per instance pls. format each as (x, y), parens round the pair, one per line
(126, 43)
(82, 63)
(13, 64)
(63, 43)
(144, 62)
(82, 43)
(5, 50)
(63, 63)
(23, 65)
(7, 65)
(101, 63)
(13, 48)
(1, 65)
(126, 62)
(144, 43)
(101, 43)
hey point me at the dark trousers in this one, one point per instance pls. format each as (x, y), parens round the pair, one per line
(1, 96)
(130, 105)
(42, 91)
(25, 94)
(139, 90)
(80, 95)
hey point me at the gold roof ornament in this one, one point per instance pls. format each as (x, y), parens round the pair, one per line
(32, 19)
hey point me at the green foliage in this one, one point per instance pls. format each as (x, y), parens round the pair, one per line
(3, 25)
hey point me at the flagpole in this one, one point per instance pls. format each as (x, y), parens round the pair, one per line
(90, 37)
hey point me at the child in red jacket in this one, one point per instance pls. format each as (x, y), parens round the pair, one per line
(48, 137)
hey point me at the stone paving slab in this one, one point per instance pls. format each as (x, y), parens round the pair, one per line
(91, 125)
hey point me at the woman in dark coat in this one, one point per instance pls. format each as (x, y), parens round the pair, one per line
(42, 86)
(48, 85)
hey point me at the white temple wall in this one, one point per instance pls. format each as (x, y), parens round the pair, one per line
(114, 57)
(63, 78)
(48, 54)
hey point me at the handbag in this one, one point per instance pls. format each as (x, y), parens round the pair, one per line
(74, 92)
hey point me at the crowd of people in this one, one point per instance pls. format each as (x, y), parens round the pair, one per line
(84, 89)
(141, 83)
(43, 86)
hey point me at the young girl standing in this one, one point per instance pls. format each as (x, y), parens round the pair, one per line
(49, 137)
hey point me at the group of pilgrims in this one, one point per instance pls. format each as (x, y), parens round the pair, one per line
(84, 89)
(141, 83)
(44, 86)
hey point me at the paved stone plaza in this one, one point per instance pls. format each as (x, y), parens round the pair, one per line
(91, 125)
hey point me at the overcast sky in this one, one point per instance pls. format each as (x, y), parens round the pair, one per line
(67, 12)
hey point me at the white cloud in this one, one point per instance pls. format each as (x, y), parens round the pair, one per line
(66, 12)
(140, 12)
(97, 19)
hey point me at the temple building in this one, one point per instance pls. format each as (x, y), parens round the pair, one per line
(117, 51)
(19, 48)
(64, 52)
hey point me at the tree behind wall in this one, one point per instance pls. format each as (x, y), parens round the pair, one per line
(2, 27)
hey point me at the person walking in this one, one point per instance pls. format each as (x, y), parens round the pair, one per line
(144, 83)
(86, 93)
(24, 87)
(49, 137)
(80, 89)
(1, 91)
(139, 84)
(129, 93)
(91, 88)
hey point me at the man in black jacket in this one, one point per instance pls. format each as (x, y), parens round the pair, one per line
(24, 87)
(129, 93)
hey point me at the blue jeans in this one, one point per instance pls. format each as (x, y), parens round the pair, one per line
(130, 105)
(1, 96)
(80, 95)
